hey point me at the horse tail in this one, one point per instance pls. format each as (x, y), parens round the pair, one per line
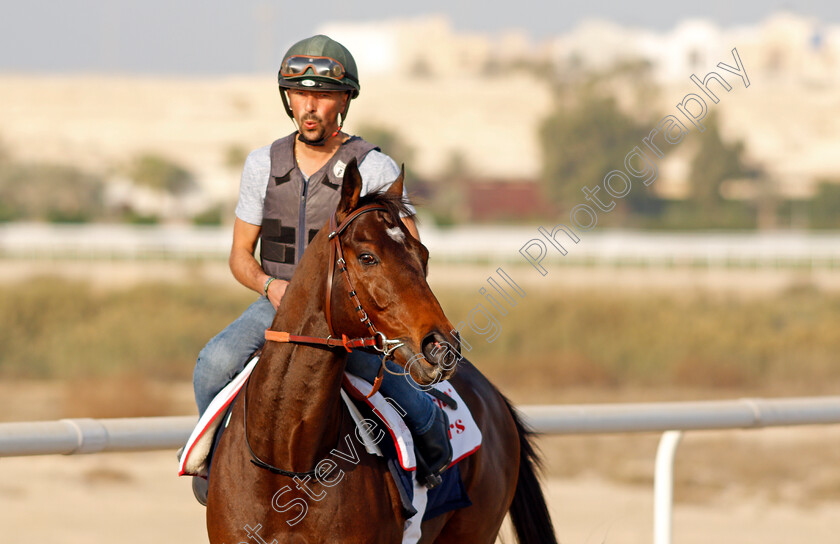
(529, 511)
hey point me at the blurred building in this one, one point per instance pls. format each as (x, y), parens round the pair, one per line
(491, 200)
(424, 47)
(791, 60)
(478, 97)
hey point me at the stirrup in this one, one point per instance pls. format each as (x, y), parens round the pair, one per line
(424, 475)
(200, 487)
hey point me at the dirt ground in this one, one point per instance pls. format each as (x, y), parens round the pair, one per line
(137, 498)
(770, 486)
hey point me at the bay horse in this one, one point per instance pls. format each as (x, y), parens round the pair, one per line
(286, 468)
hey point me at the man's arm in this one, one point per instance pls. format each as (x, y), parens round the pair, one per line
(245, 267)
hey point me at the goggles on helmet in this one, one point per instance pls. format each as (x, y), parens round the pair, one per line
(321, 66)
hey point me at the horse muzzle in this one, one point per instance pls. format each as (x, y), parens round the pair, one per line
(436, 360)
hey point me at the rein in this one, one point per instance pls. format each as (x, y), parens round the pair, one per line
(377, 340)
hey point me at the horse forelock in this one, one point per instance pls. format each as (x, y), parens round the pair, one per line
(397, 205)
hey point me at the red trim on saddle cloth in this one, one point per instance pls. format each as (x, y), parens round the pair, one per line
(464, 433)
(193, 461)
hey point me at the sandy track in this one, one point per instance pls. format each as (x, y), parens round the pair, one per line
(136, 498)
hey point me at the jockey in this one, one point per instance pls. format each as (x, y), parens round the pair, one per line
(287, 192)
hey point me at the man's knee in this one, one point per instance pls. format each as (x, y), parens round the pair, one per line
(217, 362)
(363, 365)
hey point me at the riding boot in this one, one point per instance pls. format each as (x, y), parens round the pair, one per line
(434, 451)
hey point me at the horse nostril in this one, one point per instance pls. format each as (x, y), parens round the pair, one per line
(457, 346)
(438, 351)
(431, 348)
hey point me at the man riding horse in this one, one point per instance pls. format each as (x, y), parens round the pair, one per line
(288, 191)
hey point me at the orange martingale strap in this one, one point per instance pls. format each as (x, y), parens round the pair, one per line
(377, 382)
(346, 343)
(276, 336)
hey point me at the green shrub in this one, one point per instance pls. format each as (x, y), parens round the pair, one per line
(49, 192)
(160, 173)
(550, 340)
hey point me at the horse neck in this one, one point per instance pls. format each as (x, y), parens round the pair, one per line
(293, 398)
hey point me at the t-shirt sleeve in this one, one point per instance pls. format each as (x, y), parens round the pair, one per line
(252, 186)
(378, 172)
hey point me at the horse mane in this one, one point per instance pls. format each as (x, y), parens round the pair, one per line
(397, 205)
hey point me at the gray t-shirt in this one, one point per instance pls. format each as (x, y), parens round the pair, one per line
(377, 169)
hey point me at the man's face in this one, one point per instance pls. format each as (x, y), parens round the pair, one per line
(316, 112)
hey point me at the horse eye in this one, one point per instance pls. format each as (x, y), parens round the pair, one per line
(367, 259)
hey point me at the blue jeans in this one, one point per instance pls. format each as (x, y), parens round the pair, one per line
(418, 407)
(226, 354)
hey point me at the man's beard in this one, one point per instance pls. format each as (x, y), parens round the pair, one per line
(316, 133)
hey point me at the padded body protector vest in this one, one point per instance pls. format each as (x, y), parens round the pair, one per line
(294, 209)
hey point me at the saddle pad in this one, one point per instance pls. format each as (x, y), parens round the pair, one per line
(464, 433)
(193, 461)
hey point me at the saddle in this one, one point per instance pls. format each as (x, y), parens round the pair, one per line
(464, 433)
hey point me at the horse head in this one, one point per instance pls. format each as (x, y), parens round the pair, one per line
(386, 268)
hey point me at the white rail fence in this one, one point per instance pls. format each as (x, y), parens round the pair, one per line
(72, 436)
(498, 245)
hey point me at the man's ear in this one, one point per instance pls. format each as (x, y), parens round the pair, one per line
(396, 188)
(351, 188)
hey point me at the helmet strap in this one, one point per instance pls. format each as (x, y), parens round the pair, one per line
(286, 105)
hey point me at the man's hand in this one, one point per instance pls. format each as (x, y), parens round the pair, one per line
(276, 290)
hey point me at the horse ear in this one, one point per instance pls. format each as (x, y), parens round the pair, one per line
(351, 188)
(396, 188)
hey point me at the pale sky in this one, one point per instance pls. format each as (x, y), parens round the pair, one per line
(199, 37)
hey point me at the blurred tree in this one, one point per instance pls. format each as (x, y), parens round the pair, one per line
(134, 218)
(394, 145)
(598, 118)
(456, 166)
(714, 162)
(580, 144)
(235, 156)
(824, 205)
(212, 216)
(448, 202)
(389, 141)
(49, 192)
(161, 173)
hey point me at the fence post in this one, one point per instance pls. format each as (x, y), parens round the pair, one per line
(663, 487)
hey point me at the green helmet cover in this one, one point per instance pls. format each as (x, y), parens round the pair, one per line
(322, 46)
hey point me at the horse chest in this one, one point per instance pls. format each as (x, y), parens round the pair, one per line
(353, 500)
